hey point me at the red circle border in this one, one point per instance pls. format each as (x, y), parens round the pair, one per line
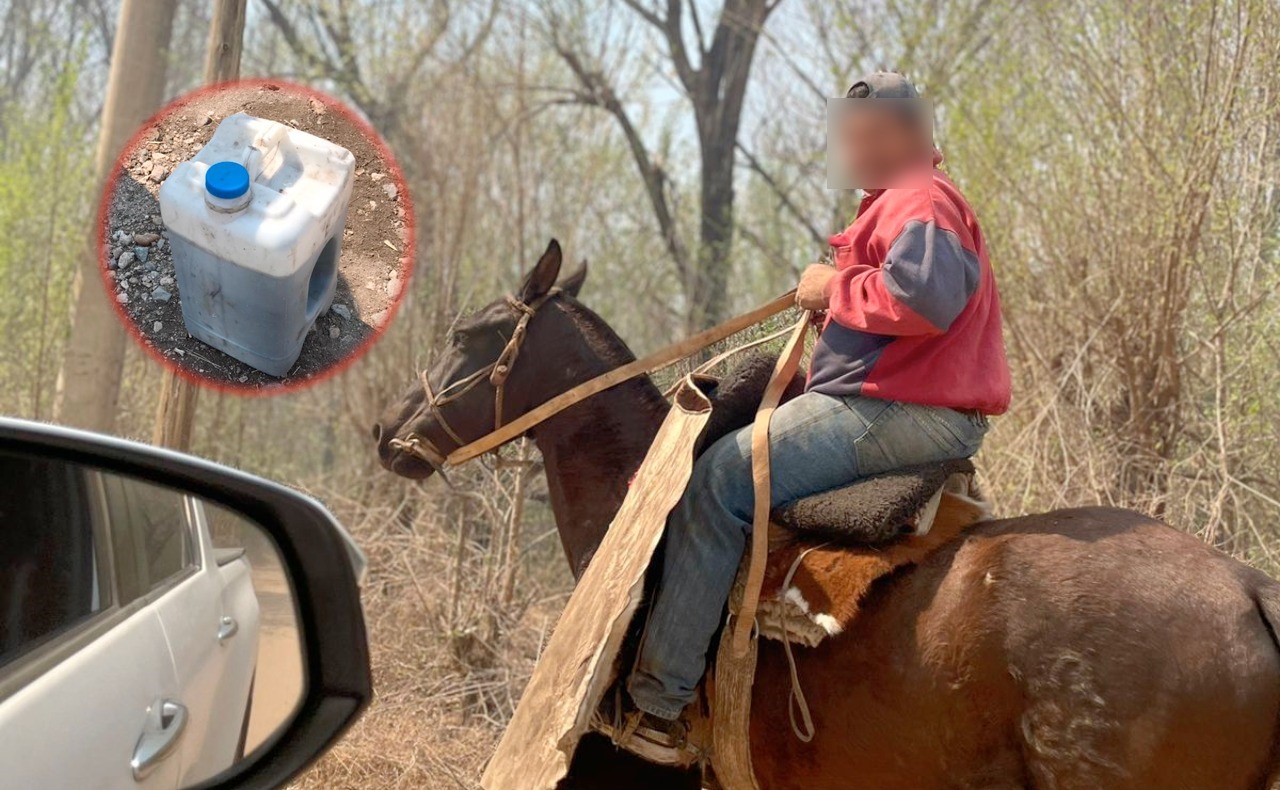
(408, 257)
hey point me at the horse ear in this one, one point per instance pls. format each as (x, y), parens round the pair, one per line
(573, 283)
(543, 276)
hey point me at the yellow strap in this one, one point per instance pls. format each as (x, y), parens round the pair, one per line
(783, 372)
(639, 367)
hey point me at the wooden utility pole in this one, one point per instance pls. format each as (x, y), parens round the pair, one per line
(176, 410)
(88, 387)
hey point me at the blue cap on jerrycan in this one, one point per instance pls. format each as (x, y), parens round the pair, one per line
(226, 180)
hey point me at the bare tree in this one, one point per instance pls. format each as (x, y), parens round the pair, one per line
(326, 39)
(713, 73)
(89, 381)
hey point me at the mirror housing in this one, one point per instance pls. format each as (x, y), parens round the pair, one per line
(325, 569)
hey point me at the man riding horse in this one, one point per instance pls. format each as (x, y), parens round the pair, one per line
(909, 364)
(1087, 648)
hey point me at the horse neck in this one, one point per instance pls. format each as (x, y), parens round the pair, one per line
(591, 450)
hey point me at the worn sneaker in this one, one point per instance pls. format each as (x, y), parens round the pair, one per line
(645, 735)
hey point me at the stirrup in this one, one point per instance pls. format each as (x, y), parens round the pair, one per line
(628, 732)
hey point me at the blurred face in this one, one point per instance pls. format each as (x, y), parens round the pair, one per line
(876, 143)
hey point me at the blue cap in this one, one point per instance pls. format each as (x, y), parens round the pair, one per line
(226, 180)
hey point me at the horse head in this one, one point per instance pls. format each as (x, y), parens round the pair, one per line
(493, 369)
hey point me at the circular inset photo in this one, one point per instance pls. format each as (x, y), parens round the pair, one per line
(258, 236)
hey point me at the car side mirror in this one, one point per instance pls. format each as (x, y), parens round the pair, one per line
(166, 621)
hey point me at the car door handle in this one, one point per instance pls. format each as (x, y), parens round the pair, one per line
(227, 629)
(166, 719)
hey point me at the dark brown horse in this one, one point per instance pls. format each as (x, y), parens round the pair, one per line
(1088, 648)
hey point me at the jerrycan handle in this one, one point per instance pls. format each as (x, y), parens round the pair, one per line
(264, 152)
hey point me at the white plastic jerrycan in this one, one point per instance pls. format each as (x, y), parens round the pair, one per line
(255, 220)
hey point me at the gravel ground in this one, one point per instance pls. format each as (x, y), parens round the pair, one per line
(139, 266)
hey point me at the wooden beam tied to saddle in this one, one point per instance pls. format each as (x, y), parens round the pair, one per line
(577, 665)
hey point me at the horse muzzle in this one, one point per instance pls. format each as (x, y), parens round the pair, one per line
(412, 455)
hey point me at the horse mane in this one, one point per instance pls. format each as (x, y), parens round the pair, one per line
(611, 349)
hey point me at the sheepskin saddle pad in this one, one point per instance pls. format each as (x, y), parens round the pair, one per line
(818, 576)
(873, 510)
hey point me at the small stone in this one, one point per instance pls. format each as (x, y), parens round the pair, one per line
(390, 189)
(318, 107)
(145, 239)
(161, 295)
(370, 285)
(205, 121)
(157, 326)
(334, 332)
(243, 379)
(157, 220)
(179, 352)
(125, 260)
(342, 311)
(376, 177)
(141, 253)
(166, 280)
(393, 287)
(122, 237)
(122, 298)
(157, 173)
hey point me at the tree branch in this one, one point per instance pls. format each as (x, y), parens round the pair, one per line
(599, 93)
(784, 195)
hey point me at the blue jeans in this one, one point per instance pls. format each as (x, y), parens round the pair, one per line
(817, 442)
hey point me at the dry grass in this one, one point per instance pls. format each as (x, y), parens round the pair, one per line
(449, 656)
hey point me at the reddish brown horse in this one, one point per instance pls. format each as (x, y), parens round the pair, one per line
(1089, 648)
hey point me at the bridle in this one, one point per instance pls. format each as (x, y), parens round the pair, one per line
(496, 372)
(500, 369)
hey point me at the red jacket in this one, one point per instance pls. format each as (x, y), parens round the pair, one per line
(914, 313)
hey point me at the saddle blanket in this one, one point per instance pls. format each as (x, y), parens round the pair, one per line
(813, 588)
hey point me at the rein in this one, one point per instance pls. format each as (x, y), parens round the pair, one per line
(499, 370)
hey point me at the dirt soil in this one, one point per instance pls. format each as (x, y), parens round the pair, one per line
(138, 261)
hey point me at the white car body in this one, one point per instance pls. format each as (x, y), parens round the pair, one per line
(80, 714)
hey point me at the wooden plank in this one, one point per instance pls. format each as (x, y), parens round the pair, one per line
(577, 665)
